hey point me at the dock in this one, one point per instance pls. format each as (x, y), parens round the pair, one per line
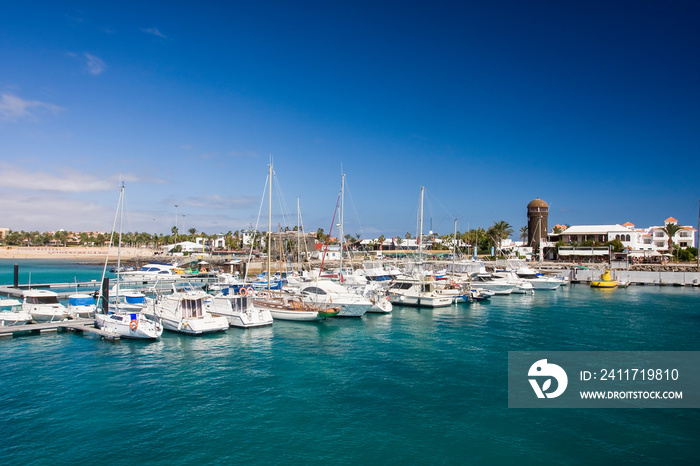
(76, 325)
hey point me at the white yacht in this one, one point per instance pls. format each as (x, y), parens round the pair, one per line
(123, 319)
(330, 293)
(486, 281)
(539, 282)
(413, 292)
(81, 306)
(238, 309)
(134, 325)
(376, 293)
(43, 306)
(11, 313)
(521, 286)
(152, 272)
(184, 311)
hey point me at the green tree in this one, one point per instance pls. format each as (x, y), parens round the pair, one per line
(671, 229)
(523, 234)
(498, 232)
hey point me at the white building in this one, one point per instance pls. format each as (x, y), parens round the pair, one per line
(187, 246)
(635, 239)
(684, 237)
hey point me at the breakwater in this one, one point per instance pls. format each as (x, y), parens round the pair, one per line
(640, 277)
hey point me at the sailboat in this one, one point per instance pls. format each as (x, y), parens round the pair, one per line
(129, 322)
(415, 291)
(286, 308)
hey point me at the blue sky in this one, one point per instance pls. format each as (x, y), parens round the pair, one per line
(591, 106)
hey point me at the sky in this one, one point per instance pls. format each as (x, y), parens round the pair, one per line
(593, 107)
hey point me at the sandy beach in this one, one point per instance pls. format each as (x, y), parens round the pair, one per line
(78, 253)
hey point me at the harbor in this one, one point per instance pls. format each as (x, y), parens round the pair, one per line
(432, 381)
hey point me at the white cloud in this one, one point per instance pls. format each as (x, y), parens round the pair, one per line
(153, 31)
(13, 108)
(49, 213)
(216, 201)
(66, 181)
(95, 65)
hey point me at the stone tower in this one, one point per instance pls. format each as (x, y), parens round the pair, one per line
(537, 213)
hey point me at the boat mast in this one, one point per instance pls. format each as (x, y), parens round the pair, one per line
(340, 225)
(298, 234)
(420, 247)
(119, 245)
(420, 231)
(269, 229)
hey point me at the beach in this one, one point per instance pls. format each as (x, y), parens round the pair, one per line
(82, 254)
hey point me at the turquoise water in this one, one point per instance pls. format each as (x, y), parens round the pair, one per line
(416, 386)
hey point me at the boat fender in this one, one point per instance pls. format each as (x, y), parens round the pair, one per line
(134, 324)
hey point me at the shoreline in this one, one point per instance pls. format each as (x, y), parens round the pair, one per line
(81, 254)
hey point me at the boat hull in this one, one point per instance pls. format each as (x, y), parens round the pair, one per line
(121, 325)
(196, 326)
(420, 301)
(48, 314)
(290, 314)
(9, 319)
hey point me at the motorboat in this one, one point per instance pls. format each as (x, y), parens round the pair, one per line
(538, 281)
(152, 272)
(409, 291)
(487, 281)
(606, 281)
(43, 306)
(329, 293)
(238, 309)
(134, 325)
(81, 306)
(375, 272)
(184, 311)
(376, 293)
(520, 286)
(11, 313)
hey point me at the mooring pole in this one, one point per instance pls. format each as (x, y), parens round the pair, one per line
(16, 275)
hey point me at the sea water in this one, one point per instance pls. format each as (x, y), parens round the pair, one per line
(416, 386)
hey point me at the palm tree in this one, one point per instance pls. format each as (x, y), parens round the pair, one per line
(523, 234)
(500, 231)
(671, 229)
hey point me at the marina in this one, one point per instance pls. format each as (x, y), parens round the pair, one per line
(431, 380)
